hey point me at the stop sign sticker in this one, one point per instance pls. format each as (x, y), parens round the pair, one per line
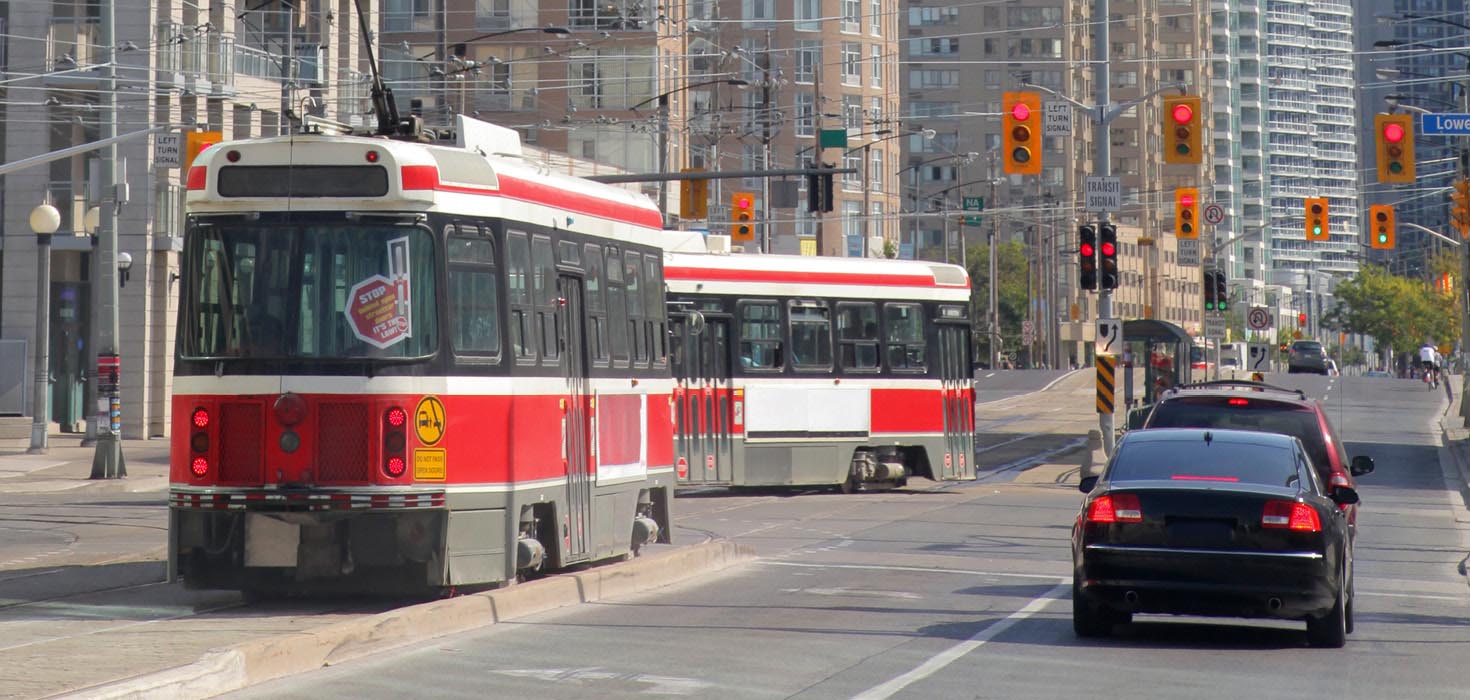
(682, 468)
(376, 313)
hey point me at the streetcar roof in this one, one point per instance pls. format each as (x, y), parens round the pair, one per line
(481, 176)
(798, 275)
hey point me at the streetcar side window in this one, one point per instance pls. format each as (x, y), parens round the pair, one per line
(596, 309)
(518, 267)
(657, 324)
(545, 290)
(904, 335)
(857, 335)
(633, 278)
(760, 335)
(617, 308)
(811, 336)
(474, 297)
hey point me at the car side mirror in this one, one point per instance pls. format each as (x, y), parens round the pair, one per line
(1087, 484)
(1345, 495)
(1362, 464)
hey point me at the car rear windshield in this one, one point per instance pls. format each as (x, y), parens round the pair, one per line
(1201, 461)
(1307, 347)
(1246, 413)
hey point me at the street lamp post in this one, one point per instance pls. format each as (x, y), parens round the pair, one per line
(44, 220)
(663, 134)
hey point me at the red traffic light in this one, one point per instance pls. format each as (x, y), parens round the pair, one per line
(1301, 319)
(1186, 200)
(1087, 250)
(742, 202)
(1393, 132)
(1182, 114)
(1020, 112)
(1109, 250)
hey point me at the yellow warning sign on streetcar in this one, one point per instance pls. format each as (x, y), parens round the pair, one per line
(430, 465)
(428, 420)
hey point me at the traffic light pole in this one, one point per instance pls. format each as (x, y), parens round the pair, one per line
(1102, 162)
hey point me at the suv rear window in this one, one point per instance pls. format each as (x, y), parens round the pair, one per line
(1308, 346)
(1171, 460)
(1246, 413)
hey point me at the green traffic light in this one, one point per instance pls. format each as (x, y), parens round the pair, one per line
(1316, 230)
(1382, 238)
(1395, 167)
(1182, 148)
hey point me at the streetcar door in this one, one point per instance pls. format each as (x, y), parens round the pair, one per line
(576, 419)
(702, 406)
(955, 380)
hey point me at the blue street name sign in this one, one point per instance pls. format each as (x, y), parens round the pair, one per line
(1446, 124)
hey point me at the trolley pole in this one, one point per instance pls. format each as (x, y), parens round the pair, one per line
(107, 461)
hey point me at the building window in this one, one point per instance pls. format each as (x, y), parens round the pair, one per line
(758, 10)
(806, 123)
(852, 59)
(931, 78)
(852, 11)
(808, 13)
(852, 109)
(934, 46)
(876, 77)
(875, 170)
(852, 160)
(808, 60)
(875, 17)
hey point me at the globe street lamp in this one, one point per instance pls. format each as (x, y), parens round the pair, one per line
(44, 220)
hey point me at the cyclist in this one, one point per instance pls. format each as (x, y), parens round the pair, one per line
(1429, 360)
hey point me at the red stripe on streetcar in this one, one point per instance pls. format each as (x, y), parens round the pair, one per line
(426, 177)
(797, 277)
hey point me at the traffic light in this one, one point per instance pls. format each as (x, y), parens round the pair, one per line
(1208, 289)
(1460, 209)
(1301, 319)
(195, 142)
(1222, 292)
(1186, 212)
(1316, 218)
(742, 209)
(1381, 227)
(1107, 249)
(694, 197)
(1394, 134)
(1087, 257)
(818, 189)
(1021, 132)
(1181, 130)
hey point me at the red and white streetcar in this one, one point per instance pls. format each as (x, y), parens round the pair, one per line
(409, 366)
(802, 371)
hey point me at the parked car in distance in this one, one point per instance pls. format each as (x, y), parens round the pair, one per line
(1212, 522)
(1306, 356)
(1246, 405)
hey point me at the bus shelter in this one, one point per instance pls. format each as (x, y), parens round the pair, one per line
(1160, 350)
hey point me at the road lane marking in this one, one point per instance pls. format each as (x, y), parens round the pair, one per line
(939, 661)
(919, 569)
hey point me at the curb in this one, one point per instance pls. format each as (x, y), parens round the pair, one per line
(226, 670)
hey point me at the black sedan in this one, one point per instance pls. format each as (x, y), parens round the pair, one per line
(1212, 522)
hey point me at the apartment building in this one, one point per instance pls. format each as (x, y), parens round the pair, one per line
(748, 85)
(215, 65)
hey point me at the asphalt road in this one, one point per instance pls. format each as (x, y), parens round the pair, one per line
(962, 592)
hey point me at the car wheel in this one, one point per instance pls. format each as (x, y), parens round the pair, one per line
(1088, 618)
(1330, 630)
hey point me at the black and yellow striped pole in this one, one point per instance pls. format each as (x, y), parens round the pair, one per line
(1106, 366)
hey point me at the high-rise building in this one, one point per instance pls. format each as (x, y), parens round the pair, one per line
(747, 85)
(1405, 61)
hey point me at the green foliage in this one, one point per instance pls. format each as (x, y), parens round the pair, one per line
(1011, 299)
(890, 248)
(1396, 311)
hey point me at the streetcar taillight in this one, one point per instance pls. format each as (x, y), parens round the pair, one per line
(201, 417)
(199, 441)
(290, 409)
(372, 156)
(233, 156)
(200, 466)
(395, 441)
(395, 467)
(198, 177)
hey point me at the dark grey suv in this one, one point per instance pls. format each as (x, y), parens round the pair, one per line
(1307, 356)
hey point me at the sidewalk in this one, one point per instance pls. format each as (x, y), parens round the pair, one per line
(67, 466)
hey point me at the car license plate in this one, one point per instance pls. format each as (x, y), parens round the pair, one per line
(1200, 533)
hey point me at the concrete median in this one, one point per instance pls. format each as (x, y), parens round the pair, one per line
(225, 670)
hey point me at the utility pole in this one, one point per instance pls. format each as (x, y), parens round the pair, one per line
(107, 460)
(766, 146)
(993, 318)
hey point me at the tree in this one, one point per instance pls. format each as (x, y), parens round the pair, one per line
(1011, 300)
(1398, 312)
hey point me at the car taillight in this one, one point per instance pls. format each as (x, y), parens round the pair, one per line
(395, 463)
(1115, 508)
(1290, 515)
(200, 466)
(1239, 402)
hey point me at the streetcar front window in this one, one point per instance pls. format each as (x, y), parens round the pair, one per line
(257, 289)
